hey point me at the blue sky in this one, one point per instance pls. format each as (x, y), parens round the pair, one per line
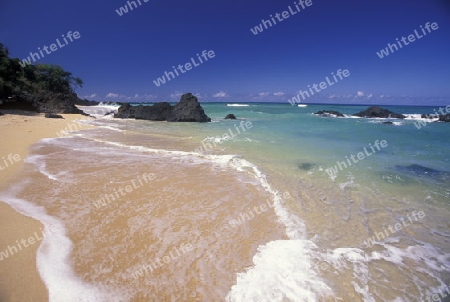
(119, 57)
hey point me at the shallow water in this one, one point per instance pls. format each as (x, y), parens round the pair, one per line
(189, 229)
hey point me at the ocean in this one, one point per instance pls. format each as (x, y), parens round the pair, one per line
(277, 205)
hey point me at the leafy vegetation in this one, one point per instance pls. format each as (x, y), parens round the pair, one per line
(24, 83)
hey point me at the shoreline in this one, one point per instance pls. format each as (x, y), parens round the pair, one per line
(20, 130)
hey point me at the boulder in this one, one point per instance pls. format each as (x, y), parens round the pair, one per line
(230, 117)
(157, 112)
(52, 115)
(188, 110)
(377, 112)
(329, 113)
(429, 116)
(444, 118)
(388, 123)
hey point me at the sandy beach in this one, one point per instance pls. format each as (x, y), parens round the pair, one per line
(19, 277)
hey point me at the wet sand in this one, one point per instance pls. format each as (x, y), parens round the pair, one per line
(19, 277)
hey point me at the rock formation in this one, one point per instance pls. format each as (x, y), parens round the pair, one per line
(187, 110)
(45, 102)
(377, 112)
(329, 113)
(230, 117)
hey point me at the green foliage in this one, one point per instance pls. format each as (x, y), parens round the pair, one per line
(17, 81)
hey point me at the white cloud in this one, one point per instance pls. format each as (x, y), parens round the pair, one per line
(360, 93)
(263, 93)
(112, 95)
(279, 93)
(369, 96)
(136, 95)
(220, 94)
(92, 95)
(176, 95)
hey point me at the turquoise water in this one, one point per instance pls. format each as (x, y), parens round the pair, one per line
(377, 230)
(294, 148)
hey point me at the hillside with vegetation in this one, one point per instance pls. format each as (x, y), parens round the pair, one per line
(40, 87)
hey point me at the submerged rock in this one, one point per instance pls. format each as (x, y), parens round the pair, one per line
(329, 113)
(377, 112)
(419, 170)
(187, 110)
(388, 123)
(230, 117)
(306, 166)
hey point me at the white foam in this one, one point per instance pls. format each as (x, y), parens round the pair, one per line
(40, 164)
(293, 278)
(100, 110)
(282, 272)
(237, 105)
(418, 117)
(53, 257)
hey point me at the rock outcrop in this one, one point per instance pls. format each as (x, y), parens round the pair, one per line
(157, 112)
(45, 102)
(329, 113)
(230, 117)
(85, 102)
(377, 112)
(429, 116)
(444, 118)
(187, 110)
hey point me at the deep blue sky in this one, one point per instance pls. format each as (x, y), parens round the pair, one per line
(120, 56)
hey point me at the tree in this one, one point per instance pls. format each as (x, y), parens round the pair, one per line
(19, 81)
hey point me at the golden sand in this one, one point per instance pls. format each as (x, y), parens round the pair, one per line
(19, 277)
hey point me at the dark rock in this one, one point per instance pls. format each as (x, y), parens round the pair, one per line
(188, 110)
(85, 102)
(374, 111)
(444, 118)
(329, 113)
(44, 102)
(306, 166)
(230, 117)
(109, 113)
(52, 115)
(388, 123)
(428, 116)
(157, 112)
(421, 171)
(1, 114)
